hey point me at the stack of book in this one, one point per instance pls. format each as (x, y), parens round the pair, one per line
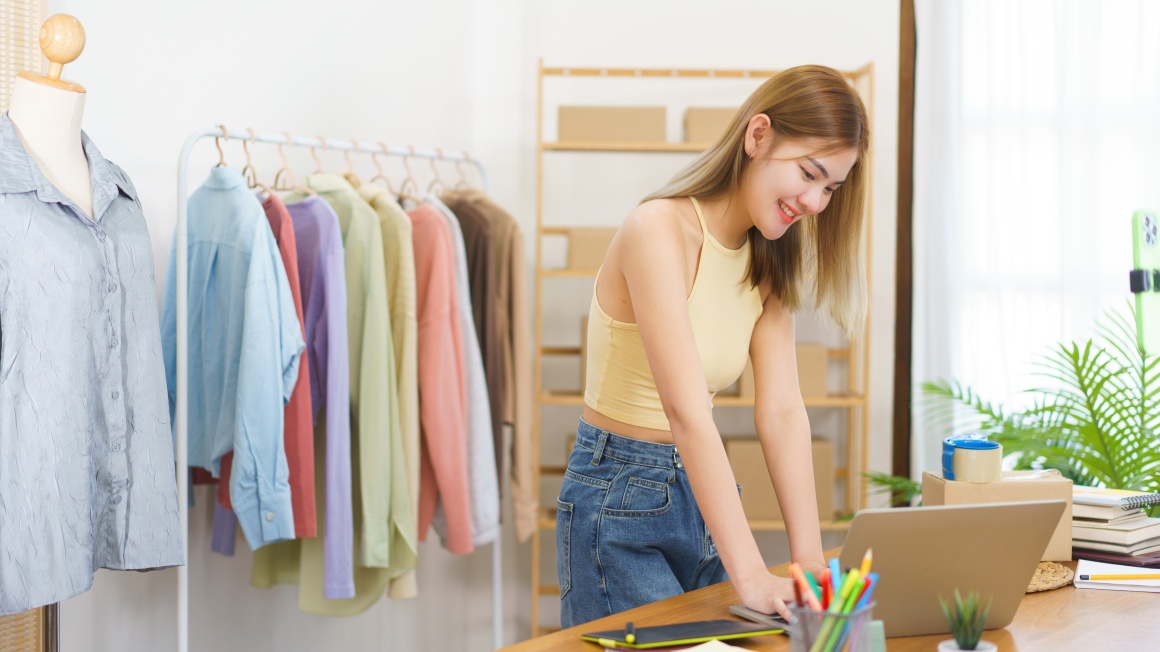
(1110, 526)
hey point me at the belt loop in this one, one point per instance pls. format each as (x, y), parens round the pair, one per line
(598, 454)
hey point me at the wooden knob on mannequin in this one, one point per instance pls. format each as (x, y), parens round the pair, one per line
(62, 39)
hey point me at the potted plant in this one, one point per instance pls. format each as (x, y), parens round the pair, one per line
(1096, 419)
(967, 618)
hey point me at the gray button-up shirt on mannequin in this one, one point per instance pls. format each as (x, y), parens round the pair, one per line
(87, 476)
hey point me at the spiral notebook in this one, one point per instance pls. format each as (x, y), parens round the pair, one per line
(1111, 500)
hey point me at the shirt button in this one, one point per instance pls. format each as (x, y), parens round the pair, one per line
(114, 343)
(270, 516)
(101, 234)
(116, 500)
(112, 287)
(116, 395)
(116, 447)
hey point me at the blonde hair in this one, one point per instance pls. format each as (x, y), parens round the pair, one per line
(806, 102)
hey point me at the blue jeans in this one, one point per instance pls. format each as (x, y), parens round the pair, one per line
(628, 531)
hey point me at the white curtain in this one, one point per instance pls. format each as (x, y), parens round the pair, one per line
(1037, 134)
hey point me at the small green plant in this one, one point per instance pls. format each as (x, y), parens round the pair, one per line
(966, 618)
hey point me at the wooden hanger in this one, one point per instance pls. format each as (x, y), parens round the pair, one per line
(291, 183)
(350, 173)
(317, 163)
(403, 193)
(437, 180)
(380, 176)
(250, 174)
(218, 144)
(462, 184)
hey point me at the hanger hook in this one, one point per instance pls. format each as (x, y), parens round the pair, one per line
(317, 163)
(217, 143)
(248, 171)
(346, 155)
(285, 169)
(379, 168)
(438, 180)
(462, 183)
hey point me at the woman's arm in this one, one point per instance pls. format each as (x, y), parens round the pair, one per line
(784, 431)
(652, 256)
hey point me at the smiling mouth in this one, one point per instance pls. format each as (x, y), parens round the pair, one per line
(787, 214)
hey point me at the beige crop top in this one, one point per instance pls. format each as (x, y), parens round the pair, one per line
(723, 309)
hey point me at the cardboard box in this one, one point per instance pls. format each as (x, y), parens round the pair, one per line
(583, 353)
(705, 125)
(587, 247)
(1013, 487)
(611, 124)
(812, 360)
(757, 495)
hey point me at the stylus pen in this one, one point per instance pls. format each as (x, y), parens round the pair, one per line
(1122, 576)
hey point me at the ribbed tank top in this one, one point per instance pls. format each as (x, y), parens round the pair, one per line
(723, 309)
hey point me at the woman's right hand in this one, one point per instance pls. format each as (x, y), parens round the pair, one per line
(767, 593)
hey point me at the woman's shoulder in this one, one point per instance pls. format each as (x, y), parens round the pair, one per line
(660, 223)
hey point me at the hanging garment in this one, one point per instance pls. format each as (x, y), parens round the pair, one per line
(322, 273)
(86, 453)
(513, 323)
(399, 260)
(481, 277)
(374, 408)
(483, 484)
(244, 348)
(442, 382)
(297, 416)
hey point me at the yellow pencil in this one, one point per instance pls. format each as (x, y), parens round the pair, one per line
(1123, 576)
(867, 560)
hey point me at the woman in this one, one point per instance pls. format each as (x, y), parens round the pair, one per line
(703, 274)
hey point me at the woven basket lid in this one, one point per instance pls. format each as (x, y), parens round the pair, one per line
(1050, 575)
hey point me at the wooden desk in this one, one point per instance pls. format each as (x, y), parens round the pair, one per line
(1063, 619)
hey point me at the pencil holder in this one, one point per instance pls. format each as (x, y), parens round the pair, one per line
(822, 631)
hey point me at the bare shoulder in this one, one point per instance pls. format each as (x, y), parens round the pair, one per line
(658, 223)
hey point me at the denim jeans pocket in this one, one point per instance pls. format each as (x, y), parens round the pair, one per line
(643, 498)
(564, 545)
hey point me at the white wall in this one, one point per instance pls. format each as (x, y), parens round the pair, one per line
(454, 73)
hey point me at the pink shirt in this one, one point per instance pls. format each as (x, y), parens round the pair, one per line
(442, 383)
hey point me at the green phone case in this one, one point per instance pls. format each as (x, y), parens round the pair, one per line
(1146, 255)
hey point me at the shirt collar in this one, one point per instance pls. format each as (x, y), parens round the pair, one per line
(22, 174)
(224, 178)
(326, 182)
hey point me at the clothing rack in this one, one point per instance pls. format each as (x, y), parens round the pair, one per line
(182, 421)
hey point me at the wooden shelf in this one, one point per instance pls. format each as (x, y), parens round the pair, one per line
(834, 400)
(568, 273)
(562, 398)
(673, 148)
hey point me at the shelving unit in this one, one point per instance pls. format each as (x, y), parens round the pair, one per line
(855, 355)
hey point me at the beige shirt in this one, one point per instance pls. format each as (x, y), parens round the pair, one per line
(399, 259)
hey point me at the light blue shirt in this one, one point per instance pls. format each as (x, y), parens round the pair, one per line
(244, 343)
(87, 478)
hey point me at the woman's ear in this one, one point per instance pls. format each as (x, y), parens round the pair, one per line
(757, 132)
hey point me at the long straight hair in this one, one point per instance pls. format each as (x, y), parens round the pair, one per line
(806, 102)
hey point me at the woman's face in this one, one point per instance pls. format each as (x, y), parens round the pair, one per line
(782, 186)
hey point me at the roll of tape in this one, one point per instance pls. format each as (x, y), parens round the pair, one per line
(971, 458)
(978, 465)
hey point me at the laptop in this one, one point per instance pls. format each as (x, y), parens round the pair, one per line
(921, 553)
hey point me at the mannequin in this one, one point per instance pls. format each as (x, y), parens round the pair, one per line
(47, 112)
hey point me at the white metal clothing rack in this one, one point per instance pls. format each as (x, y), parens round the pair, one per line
(182, 415)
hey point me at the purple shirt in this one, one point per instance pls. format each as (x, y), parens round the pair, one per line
(322, 273)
